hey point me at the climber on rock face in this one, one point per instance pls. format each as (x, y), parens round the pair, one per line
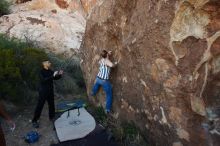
(46, 92)
(4, 115)
(102, 78)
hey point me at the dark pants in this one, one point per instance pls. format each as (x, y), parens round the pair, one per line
(45, 96)
(2, 138)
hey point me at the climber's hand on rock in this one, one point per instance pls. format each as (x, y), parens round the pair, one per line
(109, 53)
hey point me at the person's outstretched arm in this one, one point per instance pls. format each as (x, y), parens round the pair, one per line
(55, 76)
(58, 75)
(110, 64)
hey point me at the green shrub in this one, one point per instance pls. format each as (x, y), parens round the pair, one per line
(4, 7)
(10, 75)
(20, 64)
(100, 115)
(72, 81)
(13, 43)
(129, 130)
(131, 135)
(30, 65)
(19, 67)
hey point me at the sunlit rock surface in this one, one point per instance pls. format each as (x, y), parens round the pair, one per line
(48, 23)
(58, 31)
(167, 80)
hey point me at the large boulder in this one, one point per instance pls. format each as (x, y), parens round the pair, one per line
(57, 25)
(56, 30)
(167, 79)
(83, 6)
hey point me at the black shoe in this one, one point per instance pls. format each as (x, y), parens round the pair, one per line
(35, 124)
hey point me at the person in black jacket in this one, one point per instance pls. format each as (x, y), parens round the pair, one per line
(46, 92)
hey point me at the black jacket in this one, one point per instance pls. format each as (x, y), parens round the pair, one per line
(46, 80)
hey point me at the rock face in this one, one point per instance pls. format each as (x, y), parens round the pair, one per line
(56, 31)
(84, 6)
(57, 24)
(167, 80)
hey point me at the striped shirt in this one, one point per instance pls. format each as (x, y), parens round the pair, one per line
(104, 70)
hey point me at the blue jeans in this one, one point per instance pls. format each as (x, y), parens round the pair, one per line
(106, 85)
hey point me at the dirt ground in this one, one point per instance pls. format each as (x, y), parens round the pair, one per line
(23, 126)
(22, 118)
